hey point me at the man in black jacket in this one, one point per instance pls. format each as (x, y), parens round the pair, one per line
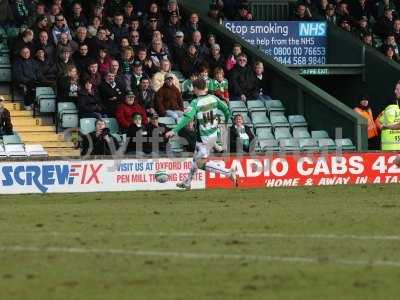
(111, 93)
(6, 126)
(242, 82)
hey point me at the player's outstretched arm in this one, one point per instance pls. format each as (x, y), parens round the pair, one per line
(222, 106)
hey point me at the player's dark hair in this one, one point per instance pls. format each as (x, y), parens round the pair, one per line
(200, 84)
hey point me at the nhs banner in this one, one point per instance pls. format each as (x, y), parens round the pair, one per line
(291, 43)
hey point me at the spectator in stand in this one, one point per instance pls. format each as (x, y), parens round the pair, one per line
(396, 30)
(148, 67)
(94, 26)
(127, 61)
(21, 9)
(118, 29)
(38, 12)
(81, 37)
(146, 95)
(367, 39)
(103, 41)
(243, 13)
(126, 109)
(168, 100)
(193, 25)
(63, 61)
(345, 24)
(89, 103)
(187, 88)
(100, 141)
(78, 19)
(158, 78)
(128, 12)
(152, 25)
(119, 78)
(111, 94)
(232, 59)
(216, 13)
(69, 86)
(361, 8)
(41, 24)
(330, 14)
(59, 27)
(172, 7)
(302, 13)
(211, 41)
(137, 135)
(198, 43)
(123, 44)
(178, 50)
(81, 58)
(382, 6)
(6, 127)
(24, 40)
(390, 53)
(215, 59)
(104, 61)
(241, 136)
(203, 73)
(343, 11)
(385, 24)
(219, 86)
(44, 43)
(47, 67)
(137, 75)
(171, 28)
(94, 74)
(364, 110)
(158, 53)
(191, 62)
(64, 43)
(134, 41)
(27, 75)
(135, 24)
(390, 41)
(261, 81)
(362, 27)
(242, 81)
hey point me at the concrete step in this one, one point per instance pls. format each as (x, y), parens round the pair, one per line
(48, 145)
(34, 128)
(21, 113)
(29, 121)
(63, 152)
(41, 137)
(11, 106)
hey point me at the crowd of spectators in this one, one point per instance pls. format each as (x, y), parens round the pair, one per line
(122, 59)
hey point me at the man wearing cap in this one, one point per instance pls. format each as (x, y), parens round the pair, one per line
(171, 28)
(125, 110)
(6, 126)
(177, 49)
(156, 141)
(137, 135)
(137, 74)
(168, 101)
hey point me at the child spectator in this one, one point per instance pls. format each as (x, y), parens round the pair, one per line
(104, 61)
(219, 86)
(232, 59)
(187, 88)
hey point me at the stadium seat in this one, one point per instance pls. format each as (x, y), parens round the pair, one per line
(319, 134)
(2, 152)
(269, 145)
(256, 105)
(112, 124)
(15, 150)
(5, 74)
(67, 115)
(301, 133)
(35, 151)
(345, 144)
(308, 144)
(12, 32)
(46, 104)
(238, 106)
(5, 61)
(282, 133)
(274, 105)
(260, 119)
(11, 139)
(44, 90)
(279, 121)
(264, 133)
(289, 145)
(87, 125)
(326, 144)
(167, 121)
(297, 121)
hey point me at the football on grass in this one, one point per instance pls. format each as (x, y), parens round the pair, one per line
(161, 176)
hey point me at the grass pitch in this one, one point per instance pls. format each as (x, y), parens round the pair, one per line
(303, 243)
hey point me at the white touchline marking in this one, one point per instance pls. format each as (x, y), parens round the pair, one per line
(215, 235)
(190, 255)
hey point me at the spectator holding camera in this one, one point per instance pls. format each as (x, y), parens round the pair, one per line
(100, 141)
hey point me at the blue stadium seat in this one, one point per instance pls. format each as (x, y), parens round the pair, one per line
(345, 144)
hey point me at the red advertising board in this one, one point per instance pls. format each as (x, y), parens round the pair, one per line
(311, 170)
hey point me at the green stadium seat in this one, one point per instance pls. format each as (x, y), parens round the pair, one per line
(269, 145)
(67, 115)
(345, 144)
(301, 133)
(264, 133)
(47, 104)
(238, 106)
(87, 125)
(5, 61)
(308, 144)
(279, 121)
(13, 32)
(260, 119)
(112, 124)
(167, 121)
(5, 74)
(289, 145)
(274, 105)
(326, 144)
(256, 105)
(45, 90)
(11, 139)
(297, 121)
(174, 145)
(282, 133)
(15, 150)
(319, 134)
(245, 116)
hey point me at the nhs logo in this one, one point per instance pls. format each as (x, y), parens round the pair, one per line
(312, 29)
